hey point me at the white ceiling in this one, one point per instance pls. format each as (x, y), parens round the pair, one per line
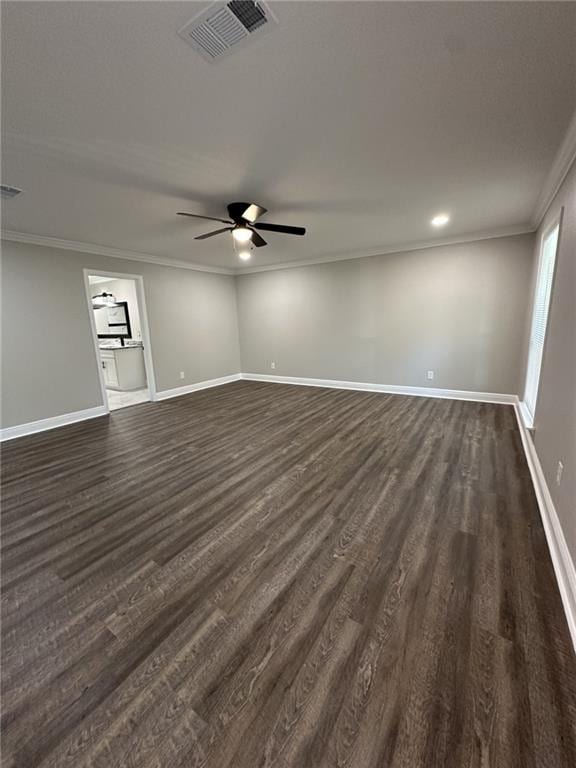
(357, 120)
(94, 279)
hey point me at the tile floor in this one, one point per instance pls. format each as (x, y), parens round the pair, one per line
(123, 399)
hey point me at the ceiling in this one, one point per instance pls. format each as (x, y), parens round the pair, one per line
(357, 120)
(94, 279)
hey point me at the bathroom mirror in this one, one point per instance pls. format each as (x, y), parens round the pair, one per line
(113, 321)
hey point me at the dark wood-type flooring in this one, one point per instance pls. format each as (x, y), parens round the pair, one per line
(267, 576)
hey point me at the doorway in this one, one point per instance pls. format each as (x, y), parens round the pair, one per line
(121, 338)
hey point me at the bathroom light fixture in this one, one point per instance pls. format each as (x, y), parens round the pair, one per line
(440, 220)
(104, 299)
(242, 234)
(244, 255)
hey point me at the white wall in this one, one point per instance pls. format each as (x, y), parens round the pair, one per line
(459, 310)
(48, 356)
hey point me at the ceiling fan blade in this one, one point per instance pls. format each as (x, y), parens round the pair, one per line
(258, 240)
(208, 218)
(211, 234)
(281, 228)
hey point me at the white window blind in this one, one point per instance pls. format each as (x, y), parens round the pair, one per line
(542, 296)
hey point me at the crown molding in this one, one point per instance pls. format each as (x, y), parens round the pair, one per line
(563, 161)
(116, 253)
(104, 250)
(421, 245)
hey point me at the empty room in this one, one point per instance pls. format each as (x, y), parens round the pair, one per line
(288, 384)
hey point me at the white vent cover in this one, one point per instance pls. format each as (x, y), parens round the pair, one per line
(227, 26)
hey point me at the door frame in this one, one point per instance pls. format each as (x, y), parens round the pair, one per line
(145, 330)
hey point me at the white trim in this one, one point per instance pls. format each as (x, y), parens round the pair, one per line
(188, 388)
(529, 414)
(104, 250)
(144, 327)
(420, 245)
(145, 332)
(565, 156)
(20, 430)
(94, 334)
(563, 564)
(525, 415)
(564, 567)
(391, 389)
(115, 253)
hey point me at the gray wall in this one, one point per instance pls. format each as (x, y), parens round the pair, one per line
(48, 358)
(459, 310)
(555, 418)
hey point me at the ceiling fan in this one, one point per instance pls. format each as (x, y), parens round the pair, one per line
(242, 224)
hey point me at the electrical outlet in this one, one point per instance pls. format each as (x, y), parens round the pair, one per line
(182, 375)
(273, 366)
(559, 470)
(430, 375)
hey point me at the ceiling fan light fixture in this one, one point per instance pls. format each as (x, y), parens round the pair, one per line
(440, 220)
(253, 212)
(244, 223)
(242, 234)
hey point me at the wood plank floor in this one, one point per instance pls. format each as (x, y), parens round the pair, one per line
(260, 576)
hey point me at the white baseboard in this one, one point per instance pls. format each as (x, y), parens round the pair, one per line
(564, 567)
(188, 388)
(559, 552)
(391, 389)
(9, 433)
(561, 559)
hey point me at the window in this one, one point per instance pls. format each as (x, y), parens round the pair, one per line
(540, 310)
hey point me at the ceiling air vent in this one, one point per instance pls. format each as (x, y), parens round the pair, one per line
(6, 192)
(225, 27)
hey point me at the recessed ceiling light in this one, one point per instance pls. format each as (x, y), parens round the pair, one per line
(440, 220)
(244, 255)
(242, 234)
